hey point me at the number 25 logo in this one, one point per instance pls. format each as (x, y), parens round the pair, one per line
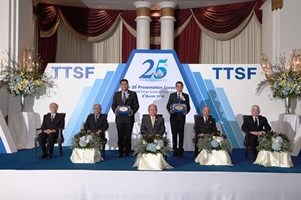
(159, 72)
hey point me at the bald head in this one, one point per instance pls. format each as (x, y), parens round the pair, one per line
(53, 107)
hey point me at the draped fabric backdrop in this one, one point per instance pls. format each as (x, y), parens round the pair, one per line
(216, 34)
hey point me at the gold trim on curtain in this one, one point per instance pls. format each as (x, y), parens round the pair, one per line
(98, 38)
(52, 30)
(225, 36)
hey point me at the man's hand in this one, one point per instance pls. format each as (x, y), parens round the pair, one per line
(98, 132)
(49, 131)
(257, 133)
(131, 113)
(201, 135)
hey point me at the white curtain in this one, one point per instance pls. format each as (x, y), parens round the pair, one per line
(245, 48)
(72, 49)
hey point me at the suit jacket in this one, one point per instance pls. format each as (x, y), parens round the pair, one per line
(249, 125)
(57, 123)
(100, 124)
(173, 98)
(147, 128)
(201, 127)
(131, 101)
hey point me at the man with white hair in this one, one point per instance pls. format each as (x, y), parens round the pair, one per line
(52, 122)
(204, 124)
(152, 124)
(255, 125)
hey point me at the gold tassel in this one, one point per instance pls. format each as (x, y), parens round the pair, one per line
(277, 4)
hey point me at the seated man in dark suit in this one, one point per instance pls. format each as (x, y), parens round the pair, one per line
(254, 126)
(97, 122)
(152, 124)
(52, 122)
(204, 124)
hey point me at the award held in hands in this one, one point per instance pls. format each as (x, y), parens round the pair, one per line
(123, 110)
(179, 108)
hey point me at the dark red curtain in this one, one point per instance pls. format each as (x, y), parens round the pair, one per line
(128, 44)
(89, 22)
(47, 18)
(187, 44)
(223, 18)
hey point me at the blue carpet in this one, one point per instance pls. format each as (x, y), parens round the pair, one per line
(26, 160)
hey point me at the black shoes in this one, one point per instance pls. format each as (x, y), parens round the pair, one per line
(119, 155)
(44, 156)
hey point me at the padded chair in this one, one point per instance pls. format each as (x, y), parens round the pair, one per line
(59, 141)
(246, 140)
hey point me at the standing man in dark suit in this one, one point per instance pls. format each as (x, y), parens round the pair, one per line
(125, 123)
(152, 124)
(177, 121)
(254, 126)
(97, 122)
(204, 124)
(52, 122)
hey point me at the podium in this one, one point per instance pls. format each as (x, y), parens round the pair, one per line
(289, 124)
(5, 137)
(23, 127)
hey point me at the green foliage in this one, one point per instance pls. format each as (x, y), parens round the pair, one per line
(87, 140)
(275, 142)
(154, 144)
(214, 141)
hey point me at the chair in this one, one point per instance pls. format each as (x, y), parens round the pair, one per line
(59, 141)
(246, 140)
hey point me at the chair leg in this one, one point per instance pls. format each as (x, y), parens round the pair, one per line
(60, 148)
(103, 151)
(36, 146)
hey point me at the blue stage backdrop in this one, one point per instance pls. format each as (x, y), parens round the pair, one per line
(229, 90)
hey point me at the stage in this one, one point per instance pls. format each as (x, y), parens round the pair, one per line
(27, 177)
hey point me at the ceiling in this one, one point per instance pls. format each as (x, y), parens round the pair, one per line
(128, 4)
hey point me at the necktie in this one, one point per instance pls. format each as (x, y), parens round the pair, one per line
(96, 117)
(123, 97)
(179, 96)
(256, 121)
(52, 117)
(153, 121)
(206, 120)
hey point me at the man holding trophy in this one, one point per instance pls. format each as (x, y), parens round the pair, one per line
(178, 106)
(125, 105)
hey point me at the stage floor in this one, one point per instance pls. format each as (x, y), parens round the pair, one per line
(26, 160)
(23, 176)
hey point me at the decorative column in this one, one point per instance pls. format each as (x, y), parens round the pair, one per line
(143, 24)
(167, 24)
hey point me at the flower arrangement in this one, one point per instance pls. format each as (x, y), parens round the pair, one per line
(215, 141)
(284, 77)
(152, 144)
(87, 140)
(275, 142)
(25, 77)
